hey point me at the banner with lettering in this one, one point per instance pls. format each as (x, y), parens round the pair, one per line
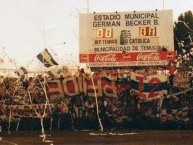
(74, 86)
(124, 32)
(149, 87)
(54, 89)
(34, 111)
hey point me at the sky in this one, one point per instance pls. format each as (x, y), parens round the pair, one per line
(29, 26)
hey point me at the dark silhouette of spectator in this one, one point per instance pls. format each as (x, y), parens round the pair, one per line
(171, 68)
(25, 84)
(162, 49)
(41, 97)
(61, 78)
(136, 111)
(56, 115)
(103, 112)
(154, 109)
(90, 108)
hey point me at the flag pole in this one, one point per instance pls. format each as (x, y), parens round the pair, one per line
(9, 119)
(47, 103)
(92, 80)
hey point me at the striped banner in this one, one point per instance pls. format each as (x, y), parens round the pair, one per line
(149, 87)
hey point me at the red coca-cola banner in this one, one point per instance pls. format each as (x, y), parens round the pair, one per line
(118, 58)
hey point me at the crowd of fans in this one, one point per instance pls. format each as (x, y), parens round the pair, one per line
(80, 112)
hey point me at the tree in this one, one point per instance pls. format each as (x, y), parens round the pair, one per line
(183, 32)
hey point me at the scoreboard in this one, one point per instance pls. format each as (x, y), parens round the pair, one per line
(120, 39)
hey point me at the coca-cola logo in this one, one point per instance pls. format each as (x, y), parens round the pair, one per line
(126, 57)
(148, 57)
(105, 58)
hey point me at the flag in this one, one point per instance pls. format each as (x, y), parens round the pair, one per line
(21, 72)
(149, 87)
(23, 77)
(46, 58)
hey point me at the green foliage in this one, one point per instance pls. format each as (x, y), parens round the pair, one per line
(183, 32)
